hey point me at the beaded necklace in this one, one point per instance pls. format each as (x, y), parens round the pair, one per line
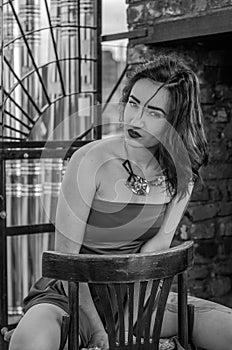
(137, 184)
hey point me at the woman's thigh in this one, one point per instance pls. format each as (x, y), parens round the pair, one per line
(39, 329)
(212, 323)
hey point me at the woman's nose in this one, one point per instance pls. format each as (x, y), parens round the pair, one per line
(137, 119)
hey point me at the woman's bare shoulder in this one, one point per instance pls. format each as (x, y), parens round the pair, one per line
(99, 150)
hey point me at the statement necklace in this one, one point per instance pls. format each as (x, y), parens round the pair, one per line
(137, 184)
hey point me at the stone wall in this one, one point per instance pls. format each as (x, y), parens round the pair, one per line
(208, 220)
(209, 216)
(145, 11)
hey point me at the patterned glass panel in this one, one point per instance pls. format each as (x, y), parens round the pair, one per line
(50, 90)
(49, 59)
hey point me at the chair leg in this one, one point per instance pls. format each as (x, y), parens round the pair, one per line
(190, 309)
(64, 331)
(182, 309)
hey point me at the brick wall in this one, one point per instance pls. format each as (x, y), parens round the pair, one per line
(145, 11)
(208, 220)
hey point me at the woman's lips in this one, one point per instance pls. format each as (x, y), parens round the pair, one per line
(133, 133)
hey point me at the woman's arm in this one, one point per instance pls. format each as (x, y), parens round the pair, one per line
(173, 215)
(77, 192)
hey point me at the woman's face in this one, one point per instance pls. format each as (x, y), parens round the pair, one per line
(145, 118)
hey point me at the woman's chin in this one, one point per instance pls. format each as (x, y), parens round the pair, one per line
(141, 142)
(134, 141)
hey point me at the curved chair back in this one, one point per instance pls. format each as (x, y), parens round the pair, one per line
(143, 280)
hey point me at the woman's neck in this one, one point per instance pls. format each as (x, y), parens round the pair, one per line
(143, 157)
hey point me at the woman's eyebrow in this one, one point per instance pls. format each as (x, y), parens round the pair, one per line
(156, 109)
(149, 106)
(135, 98)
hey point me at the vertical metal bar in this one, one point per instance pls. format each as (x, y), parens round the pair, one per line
(3, 253)
(22, 86)
(98, 70)
(55, 48)
(79, 53)
(1, 69)
(182, 310)
(3, 238)
(30, 52)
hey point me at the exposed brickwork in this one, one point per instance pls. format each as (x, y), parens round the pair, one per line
(208, 220)
(136, 13)
(145, 11)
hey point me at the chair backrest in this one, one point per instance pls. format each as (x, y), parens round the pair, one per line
(143, 279)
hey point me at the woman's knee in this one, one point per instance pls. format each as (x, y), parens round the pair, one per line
(212, 326)
(35, 340)
(39, 329)
(30, 343)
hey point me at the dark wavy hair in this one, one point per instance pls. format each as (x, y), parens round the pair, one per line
(183, 149)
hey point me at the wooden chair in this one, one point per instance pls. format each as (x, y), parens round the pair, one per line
(115, 274)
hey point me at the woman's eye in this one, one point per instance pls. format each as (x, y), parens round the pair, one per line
(155, 114)
(132, 103)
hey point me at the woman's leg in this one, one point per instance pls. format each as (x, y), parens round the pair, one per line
(212, 323)
(39, 329)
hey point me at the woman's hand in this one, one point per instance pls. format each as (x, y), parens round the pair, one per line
(6, 334)
(99, 339)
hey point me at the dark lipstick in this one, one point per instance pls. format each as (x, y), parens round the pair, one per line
(133, 133)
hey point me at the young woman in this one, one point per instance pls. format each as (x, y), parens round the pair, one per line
(127, 194)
